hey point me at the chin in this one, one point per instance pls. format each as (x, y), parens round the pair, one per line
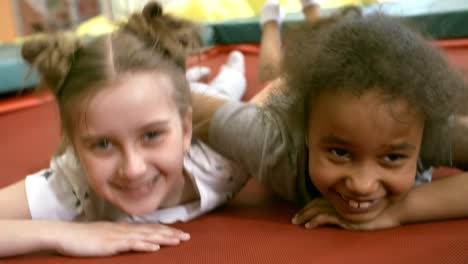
(141, 207)
(360, 217)
(139, 211)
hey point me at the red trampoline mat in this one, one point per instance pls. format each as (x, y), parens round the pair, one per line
(255, 227)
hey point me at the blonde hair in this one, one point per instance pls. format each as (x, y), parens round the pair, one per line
(150, 42)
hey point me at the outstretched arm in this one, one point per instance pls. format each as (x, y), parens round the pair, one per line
(460, 142)
(204, 108)
(84, 239)
(439, 200)
(23, 236)
(20, 235)
(13, 202)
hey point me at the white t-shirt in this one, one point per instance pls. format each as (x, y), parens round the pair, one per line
(61, 192)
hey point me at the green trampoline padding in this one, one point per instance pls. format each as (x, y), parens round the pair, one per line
(445, 24)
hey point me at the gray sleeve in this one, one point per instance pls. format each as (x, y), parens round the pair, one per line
(257, 140)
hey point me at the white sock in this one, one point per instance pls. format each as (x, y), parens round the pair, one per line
(236, 61)
(194, 74)
(306, 3)
(204, 88)
(199, 87)
(230, 81)
(271, 11)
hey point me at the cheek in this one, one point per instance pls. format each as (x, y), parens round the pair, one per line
(168, 160)
(97, 171)
(322, 173)
(169, 157)
(401, 182)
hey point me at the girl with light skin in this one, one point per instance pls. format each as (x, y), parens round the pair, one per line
(128, 164)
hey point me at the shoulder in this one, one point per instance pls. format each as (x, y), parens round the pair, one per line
(68, 167)
(269, 90)
(52, 193)
(245, 120)
(211, 169)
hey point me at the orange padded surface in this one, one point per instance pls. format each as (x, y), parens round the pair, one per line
(254, 228)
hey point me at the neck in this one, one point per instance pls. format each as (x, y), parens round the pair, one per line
(183, 192)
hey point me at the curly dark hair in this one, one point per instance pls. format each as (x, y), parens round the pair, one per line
(353, 53)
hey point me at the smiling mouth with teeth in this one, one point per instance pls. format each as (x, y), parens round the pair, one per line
(356, 204)
(138, 190)
(363, 205)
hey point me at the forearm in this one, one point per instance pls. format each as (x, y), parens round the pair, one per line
(15, 195)
(460, 142)
(204, 107)
(19, 237)
(439, 200)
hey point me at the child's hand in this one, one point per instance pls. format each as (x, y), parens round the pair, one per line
(107, 238)
(320, 212)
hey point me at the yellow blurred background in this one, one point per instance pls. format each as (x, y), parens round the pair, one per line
(21, 18)
(213, 10)
(209, 10)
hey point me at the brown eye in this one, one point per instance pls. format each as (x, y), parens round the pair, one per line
(392, 158)
(340, 152)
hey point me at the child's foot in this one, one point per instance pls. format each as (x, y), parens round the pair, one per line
(195, 74)
(230, 81)
(311, 9)
(271, 12)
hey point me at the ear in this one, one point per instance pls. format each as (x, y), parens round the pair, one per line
(187, 128)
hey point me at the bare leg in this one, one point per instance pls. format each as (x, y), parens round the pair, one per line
(270, 52)
(270, 46)
(311, 12)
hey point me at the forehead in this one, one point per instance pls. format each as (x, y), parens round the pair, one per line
(367, 115)
(139, 96)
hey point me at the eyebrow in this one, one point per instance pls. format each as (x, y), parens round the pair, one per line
(331, 139)
(155, 124)
(399, 147)
(160, 123)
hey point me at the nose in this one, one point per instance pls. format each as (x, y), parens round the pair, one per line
(133, 165)
(363, 181)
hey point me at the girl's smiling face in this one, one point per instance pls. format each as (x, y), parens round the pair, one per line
(131, 141)
(363, 151)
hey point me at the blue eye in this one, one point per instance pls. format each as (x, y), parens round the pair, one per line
(151, 135)
(103, 144)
